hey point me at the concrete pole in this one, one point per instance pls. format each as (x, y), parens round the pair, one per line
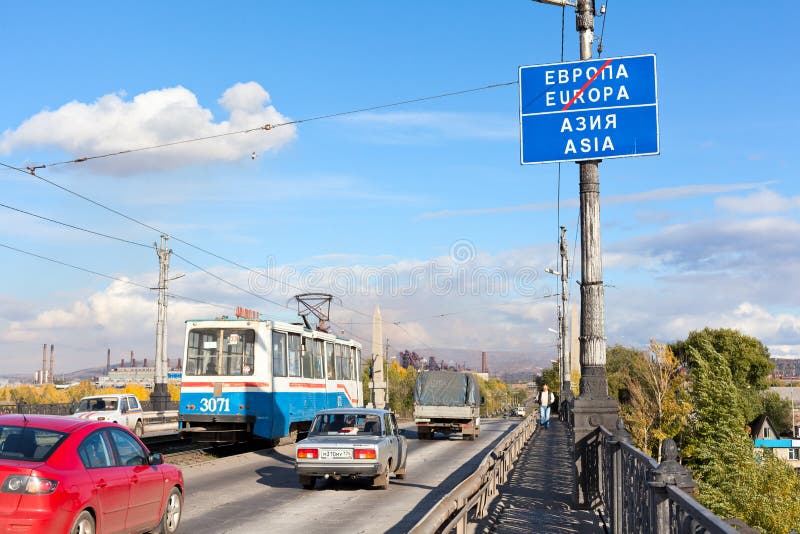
(564, 364)
(160, 394)
(593, 407)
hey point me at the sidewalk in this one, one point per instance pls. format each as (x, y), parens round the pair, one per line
(537, 497)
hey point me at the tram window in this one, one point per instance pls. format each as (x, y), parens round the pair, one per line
(337, 351)
(201, 352)
(347, 363)
(319, 358)
(306, 356)
(353, 362)
(293, 354)
(278, 354)
(237, 352)
(331, 360)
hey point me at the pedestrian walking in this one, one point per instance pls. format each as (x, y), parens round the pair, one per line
(545, 399)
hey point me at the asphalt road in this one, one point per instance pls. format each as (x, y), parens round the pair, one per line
(259, 491)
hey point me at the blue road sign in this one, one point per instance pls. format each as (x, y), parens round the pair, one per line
(594, 109)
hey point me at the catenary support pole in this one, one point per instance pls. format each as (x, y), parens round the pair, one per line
(160, 394)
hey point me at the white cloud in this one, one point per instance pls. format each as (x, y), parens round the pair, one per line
(112, 124)
(654, 195)
(765, 201)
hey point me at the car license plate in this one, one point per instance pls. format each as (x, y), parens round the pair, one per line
(332, 454)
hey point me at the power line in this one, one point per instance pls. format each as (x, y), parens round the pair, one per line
(74, 266)
(223, 280)
(267, 127)
(108, 276)
(123, 240)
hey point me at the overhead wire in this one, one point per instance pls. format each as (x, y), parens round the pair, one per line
(31, 170)
(107, 276)
(268, 127)
(74, 227)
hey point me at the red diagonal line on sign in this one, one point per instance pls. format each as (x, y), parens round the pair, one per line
(586, 85)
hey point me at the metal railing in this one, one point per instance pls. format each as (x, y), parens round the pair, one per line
(634, 493)
(66, 408)
(477, 491)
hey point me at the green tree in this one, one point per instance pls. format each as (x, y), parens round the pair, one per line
(745, 356)
(551, 378)
(779, 411)
(621, 364)
(658, 400)
(764, 494)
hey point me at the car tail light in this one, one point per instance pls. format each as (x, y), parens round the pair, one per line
(308, 453)
(364, 454)
(29, 485)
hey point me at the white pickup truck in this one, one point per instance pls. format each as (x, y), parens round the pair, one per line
(123, 409)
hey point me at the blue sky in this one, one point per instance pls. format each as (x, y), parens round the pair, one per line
(704, 234)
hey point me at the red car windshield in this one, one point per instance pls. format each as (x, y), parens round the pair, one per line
(29, 444)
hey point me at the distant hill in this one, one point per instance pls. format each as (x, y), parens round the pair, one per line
(500, 363)
(73, 376)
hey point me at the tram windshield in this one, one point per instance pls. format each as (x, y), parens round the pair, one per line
(220, 351)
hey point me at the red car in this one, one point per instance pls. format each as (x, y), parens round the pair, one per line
(68, 475)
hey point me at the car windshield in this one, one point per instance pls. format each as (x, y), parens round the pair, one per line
(99, 404)
(29, 444)
(347, 423)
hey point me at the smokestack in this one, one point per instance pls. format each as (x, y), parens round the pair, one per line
(52, 377)
(44, 364)
(133, 360)
(108, 362)
(122, 362)
(484, 367)
(180, 364)
(145, 363)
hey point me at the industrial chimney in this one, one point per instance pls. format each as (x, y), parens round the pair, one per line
(484, 367)
(52, 377)
(145, 363)
(133, 360)
(108, 362)
(44, 364)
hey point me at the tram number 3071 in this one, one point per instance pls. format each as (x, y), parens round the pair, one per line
(215, 405)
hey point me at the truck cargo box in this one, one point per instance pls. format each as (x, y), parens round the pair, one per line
(446, 388)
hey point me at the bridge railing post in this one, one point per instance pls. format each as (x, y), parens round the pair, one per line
(615, 510)
(668, 473)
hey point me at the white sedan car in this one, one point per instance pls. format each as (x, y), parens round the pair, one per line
(352, 443)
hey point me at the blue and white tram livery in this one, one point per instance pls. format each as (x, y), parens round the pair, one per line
(245, 378)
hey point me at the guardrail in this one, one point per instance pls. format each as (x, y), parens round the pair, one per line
(66, 408)
(478, 490)
(634, 493)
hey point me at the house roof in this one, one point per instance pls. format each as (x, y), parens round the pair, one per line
(757, 427)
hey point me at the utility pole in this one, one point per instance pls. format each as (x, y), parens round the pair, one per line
(160, 394)
(593, 407)
(599, 407)
(565, 364)
(386, 375)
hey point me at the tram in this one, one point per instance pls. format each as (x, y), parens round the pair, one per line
(247, 377)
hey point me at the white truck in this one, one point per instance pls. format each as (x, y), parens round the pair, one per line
(447, 402)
